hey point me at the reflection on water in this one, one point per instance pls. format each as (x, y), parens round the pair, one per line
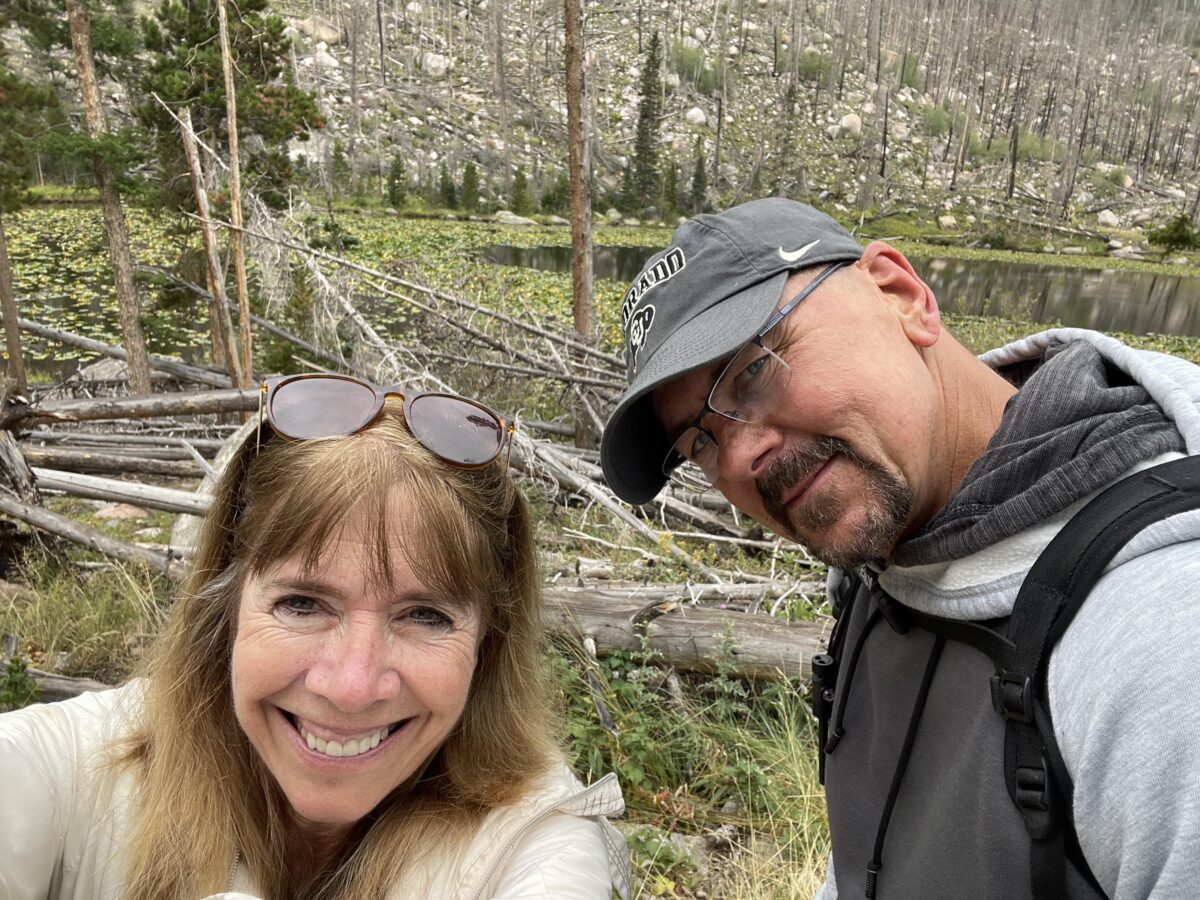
(1106, 300)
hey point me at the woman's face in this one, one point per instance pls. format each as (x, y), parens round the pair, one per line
(344, 686)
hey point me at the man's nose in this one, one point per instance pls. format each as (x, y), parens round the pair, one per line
(745, 449)
(357, 667)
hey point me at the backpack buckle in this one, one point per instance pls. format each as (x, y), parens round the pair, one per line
(1012, 696)
(1032, 796)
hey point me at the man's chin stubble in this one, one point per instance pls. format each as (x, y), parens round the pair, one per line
(886, 507)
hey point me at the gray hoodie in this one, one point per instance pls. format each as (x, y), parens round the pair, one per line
(1121, 695)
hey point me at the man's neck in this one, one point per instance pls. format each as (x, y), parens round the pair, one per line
(973, 400)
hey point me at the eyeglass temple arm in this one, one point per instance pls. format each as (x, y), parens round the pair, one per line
(777, 317)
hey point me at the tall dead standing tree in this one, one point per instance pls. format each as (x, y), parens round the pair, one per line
(115, 230)
(579, 168)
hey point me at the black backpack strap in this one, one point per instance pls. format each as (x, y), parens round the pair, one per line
(1050, 596)
(825, 665)
(1053, 591)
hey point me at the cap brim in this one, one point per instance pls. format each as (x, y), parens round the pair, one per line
(634, 443)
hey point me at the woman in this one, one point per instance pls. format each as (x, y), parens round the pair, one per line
(347, 701)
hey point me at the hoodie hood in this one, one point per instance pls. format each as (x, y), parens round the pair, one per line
(970, 561)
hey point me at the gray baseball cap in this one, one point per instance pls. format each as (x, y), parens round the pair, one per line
(698, 301)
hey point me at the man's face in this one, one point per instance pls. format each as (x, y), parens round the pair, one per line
(841, 461)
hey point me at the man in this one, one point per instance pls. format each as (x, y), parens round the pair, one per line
(810, 381)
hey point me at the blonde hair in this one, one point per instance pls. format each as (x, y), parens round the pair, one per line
(204, 794)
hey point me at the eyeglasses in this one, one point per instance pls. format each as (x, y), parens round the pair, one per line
(745, 391)
(462, 432)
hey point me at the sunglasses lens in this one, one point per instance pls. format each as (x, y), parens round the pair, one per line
(456, 429)
(321, 407)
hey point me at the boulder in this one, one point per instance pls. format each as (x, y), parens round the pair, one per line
(631, 221)
(1177, 261)
(833, 132)
(325, 60)
(695, 116)
(1114, 244)
(557, 220)
(850, 125)
(1048, 248)
(947, 222)
(1074, 251)
(320, 30)
(1127, 253)
(612, 215)
(434, 64)
(1108, 219)
(504, 217)
(1141, 217)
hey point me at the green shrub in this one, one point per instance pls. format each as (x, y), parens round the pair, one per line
(1177, 234)
(17, 688)
(690, 65)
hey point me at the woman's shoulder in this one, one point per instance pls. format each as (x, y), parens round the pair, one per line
(79, 723)
(557, 833)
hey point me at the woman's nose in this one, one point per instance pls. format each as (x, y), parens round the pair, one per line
(356, 668)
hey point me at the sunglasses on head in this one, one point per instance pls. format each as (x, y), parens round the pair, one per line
(462, 432)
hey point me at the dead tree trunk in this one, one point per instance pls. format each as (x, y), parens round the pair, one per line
(12, 331)
(218, 308)
(114, 216)
(581, 204)
(235, 193)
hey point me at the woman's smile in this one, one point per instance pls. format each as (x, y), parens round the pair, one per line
(349, 746)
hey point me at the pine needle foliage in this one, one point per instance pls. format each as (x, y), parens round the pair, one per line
(647, 183)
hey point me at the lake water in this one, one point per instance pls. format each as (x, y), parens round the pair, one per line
(1103, 299)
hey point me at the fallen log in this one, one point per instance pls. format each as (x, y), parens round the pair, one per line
(146, 495)
(48, 436)
(52, 687)
(163, 453)
(91, 538)
(689, 638)
(173, 367)
(154, 406)
(107, 462)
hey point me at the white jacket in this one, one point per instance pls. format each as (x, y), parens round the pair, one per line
(65, 815)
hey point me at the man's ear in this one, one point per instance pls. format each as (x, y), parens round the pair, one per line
(901, 287)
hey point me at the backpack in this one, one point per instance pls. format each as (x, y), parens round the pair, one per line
(1052, 592)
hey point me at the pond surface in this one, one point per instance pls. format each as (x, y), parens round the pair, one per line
(1107, 300)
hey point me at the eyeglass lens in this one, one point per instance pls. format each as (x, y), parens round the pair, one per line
(455, 429)
(749, 384)
(321, 407)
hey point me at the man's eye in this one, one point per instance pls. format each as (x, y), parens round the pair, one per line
(754, 369)
(700, 443)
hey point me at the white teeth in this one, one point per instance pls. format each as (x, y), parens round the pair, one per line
(340, 749)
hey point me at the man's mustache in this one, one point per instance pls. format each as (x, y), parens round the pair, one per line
(794, 467)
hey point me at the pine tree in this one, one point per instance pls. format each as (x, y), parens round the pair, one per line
(558, 198)
(699, 196)
(647, 185)
(470, 186)
(447, 193)
(627, 197)
(521, 200)
(397, 183)
(339, 168)
(670, 204)
(184, 69)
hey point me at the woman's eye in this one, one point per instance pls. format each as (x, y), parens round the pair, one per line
(298, 606)
(430, 617)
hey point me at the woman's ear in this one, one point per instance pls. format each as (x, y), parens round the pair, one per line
(901, 287)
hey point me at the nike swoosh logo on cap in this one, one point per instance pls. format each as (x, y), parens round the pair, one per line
(793, 255)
